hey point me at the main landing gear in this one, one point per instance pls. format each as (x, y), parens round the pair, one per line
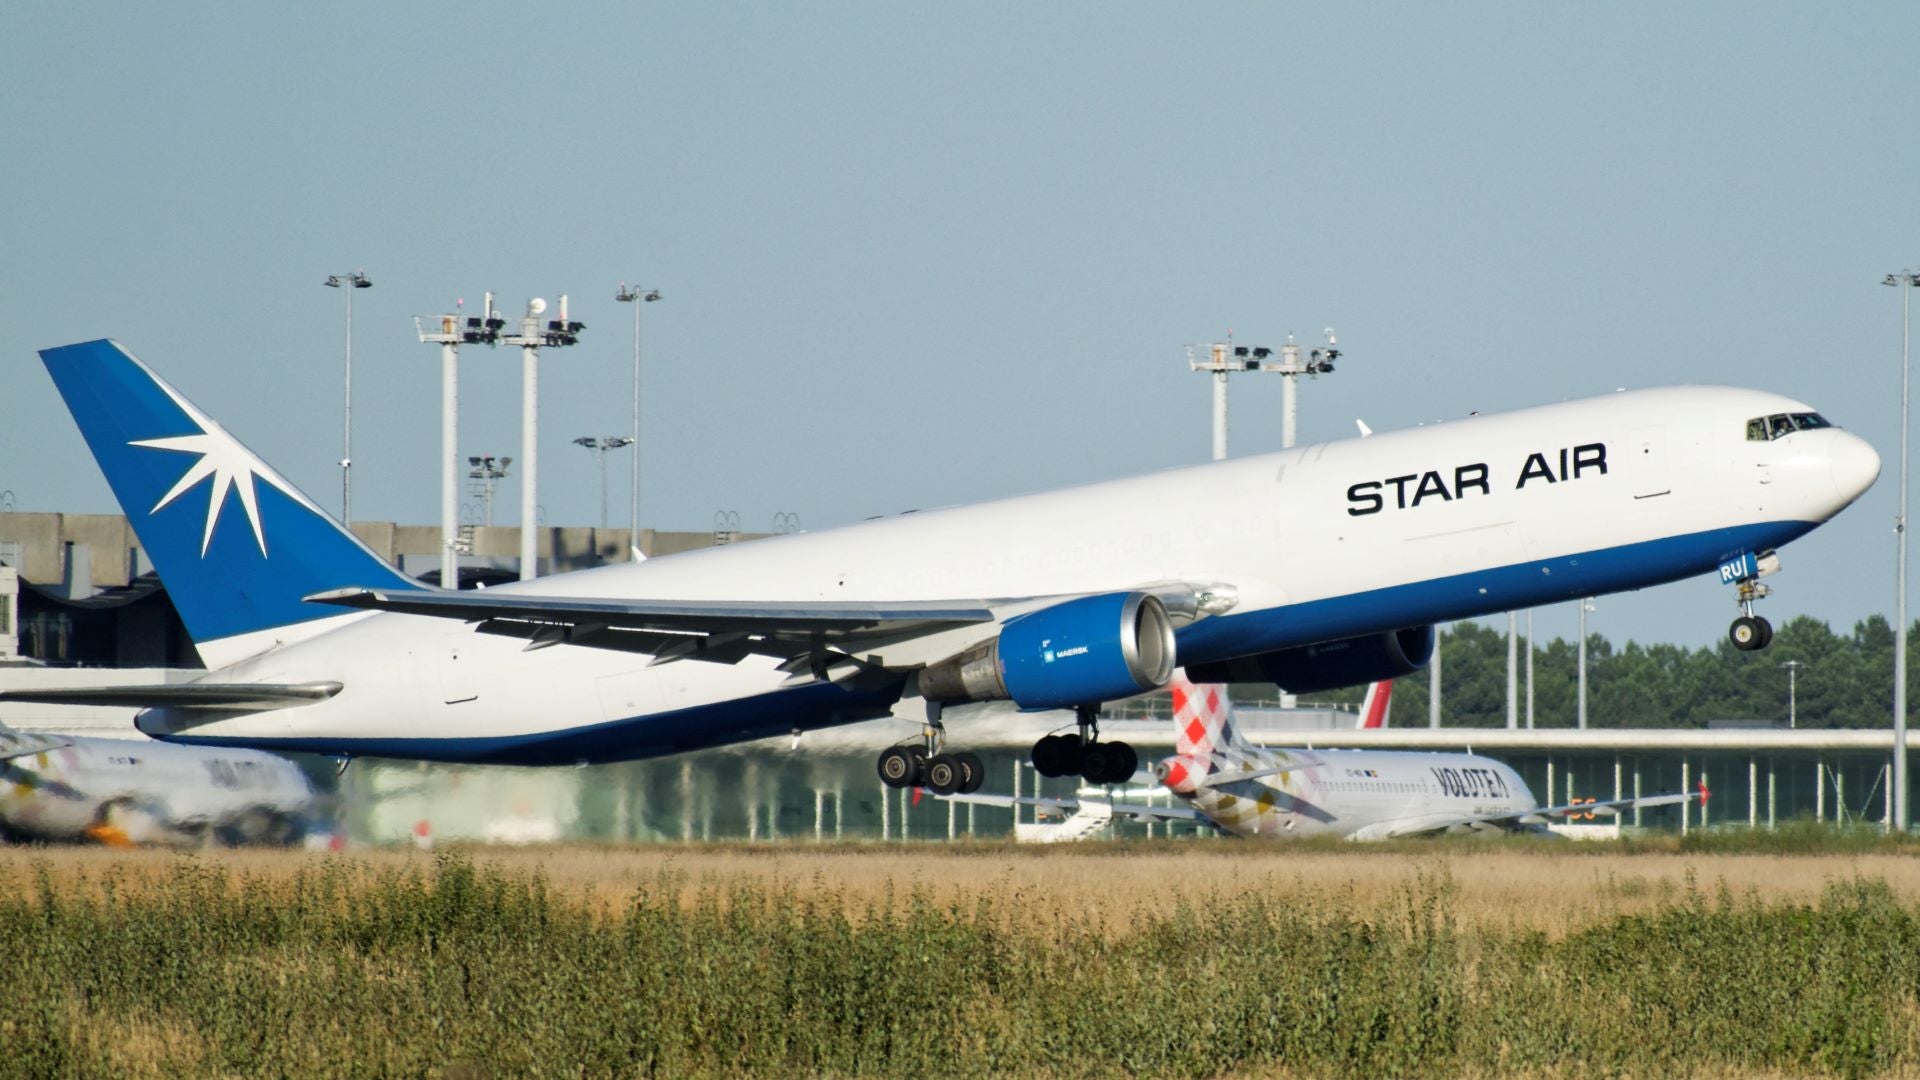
(1084, 755)
(930, 765)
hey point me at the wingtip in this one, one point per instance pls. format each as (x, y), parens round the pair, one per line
(342, 596)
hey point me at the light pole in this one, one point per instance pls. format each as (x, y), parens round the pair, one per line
(484, 472)
(348, 282)
(637, 297)
(558, 332)
(1529, 669)
(1793, 668)
(1433, 679)
(1513, 670)
(1586, 605)
(1906, 281)
(600, 445)
(450, 331)
(1221, 359)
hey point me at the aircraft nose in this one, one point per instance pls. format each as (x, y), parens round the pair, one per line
(1854, 464)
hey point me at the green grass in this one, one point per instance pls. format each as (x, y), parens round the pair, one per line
(466, 969)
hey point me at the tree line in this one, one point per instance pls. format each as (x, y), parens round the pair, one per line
(1841, 681)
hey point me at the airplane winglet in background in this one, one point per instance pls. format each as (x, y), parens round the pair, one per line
(1376, 705)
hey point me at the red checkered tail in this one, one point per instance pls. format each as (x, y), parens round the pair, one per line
(1202, 718)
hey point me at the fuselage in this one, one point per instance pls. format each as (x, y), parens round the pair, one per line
(1337, 539)
(120, 791)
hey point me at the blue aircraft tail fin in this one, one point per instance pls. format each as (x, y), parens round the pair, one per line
(235, 543)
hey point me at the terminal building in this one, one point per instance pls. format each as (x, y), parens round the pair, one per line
(79, 605)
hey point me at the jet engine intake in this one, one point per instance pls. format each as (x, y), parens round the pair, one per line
(1080, 652)
(1327, 665)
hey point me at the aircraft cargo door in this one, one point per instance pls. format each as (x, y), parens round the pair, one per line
(1647, 465)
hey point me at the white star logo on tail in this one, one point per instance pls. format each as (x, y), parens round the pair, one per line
(231, 466)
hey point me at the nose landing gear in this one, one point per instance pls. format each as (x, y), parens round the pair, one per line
(1750, 632)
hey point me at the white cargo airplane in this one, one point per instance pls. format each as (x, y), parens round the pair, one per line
(1316, 567)
(1240, 788)
(124, 793)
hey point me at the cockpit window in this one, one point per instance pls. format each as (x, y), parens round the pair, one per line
(1779, 425)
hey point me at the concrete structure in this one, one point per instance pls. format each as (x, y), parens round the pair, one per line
(41, 546)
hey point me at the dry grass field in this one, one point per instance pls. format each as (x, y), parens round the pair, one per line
(1778, 956)
(1550, 887)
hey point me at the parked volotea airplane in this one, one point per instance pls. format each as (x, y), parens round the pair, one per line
(1316, 567)
(135, 792)
(1225, 780)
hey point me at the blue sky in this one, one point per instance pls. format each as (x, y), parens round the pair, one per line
(916, 255)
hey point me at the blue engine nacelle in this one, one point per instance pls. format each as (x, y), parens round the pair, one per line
(1310, 669)
(1081, 652)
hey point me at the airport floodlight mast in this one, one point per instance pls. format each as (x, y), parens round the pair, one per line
(600, 444)
(450, 331)
(485, 471)
(1793, 669)
(1221, 359)
(348, 283)
(1906, 281)
(1513, 670)
(532, 337)
(638, 297)
(1586, 605)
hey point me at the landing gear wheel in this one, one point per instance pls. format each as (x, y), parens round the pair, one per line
(1046, 756)
(1750, 632)
(1057, 755)
(901, 766)
(1109, 763)
(945, 774)
(973, 771)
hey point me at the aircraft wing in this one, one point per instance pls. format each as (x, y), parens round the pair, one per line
(1135, 811)
(235, 697)
(15, 744)
(718, 630)
(1437, 822)
(812, 638)
(1603, 807)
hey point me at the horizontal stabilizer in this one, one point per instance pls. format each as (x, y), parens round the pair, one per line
(1220, 779)
(234, 697)
(15, 744)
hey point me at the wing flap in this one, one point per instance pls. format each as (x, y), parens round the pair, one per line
(830, 619)
(716, 631)
(232, 697)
